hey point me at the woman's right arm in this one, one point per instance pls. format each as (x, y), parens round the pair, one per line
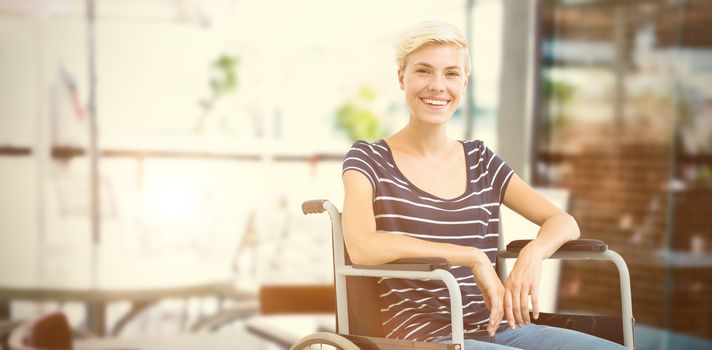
(368, 246)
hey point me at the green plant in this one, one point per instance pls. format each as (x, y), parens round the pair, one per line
(223, 82)
(556, 93)
(357, 120)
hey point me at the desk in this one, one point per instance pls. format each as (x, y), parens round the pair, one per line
(234, 339)
(97, 299)
(286, 328)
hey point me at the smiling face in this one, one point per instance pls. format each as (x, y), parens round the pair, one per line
(434, 81)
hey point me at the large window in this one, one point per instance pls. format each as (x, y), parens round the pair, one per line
(625, 123)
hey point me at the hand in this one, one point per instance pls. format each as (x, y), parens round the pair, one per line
(521, 284)
(492, 291)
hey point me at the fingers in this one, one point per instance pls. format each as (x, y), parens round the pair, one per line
(524, 306)
(535, 303)
(495, 315)
(508, 309)
(516, 306)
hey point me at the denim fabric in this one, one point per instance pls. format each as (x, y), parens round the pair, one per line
(536, 337)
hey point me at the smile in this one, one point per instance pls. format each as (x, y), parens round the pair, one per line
(433, 102)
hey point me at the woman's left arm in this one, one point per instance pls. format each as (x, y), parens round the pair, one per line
(556, 228)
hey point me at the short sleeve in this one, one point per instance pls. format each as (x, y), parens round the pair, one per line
(360, 158)
(497, 172)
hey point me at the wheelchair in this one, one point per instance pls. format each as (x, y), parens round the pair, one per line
(358, 322)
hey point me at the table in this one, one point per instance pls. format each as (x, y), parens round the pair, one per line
(228, 340)
(97, 299)
(282, 330)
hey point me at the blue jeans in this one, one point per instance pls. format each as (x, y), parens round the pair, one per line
(535, 337)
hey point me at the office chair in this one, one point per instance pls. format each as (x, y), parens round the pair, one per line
(50, 331)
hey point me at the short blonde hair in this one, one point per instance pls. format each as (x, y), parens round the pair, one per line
(430, 33)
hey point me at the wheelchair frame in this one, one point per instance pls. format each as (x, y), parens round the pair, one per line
(436, 269)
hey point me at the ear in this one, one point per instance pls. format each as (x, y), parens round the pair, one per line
(400, 79)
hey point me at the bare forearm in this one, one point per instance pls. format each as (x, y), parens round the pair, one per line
(554, 232)
(381, 247)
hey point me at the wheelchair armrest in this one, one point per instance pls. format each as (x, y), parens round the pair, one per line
(578, 245)
(409, 264)
(591, 249)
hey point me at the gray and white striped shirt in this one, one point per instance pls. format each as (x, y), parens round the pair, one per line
(419, 310)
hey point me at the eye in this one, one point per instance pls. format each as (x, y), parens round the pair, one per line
(453, 74)
(421, 71)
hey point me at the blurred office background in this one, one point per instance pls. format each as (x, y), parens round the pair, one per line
(166, 145)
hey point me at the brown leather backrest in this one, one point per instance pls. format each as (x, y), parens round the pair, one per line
(363, 305)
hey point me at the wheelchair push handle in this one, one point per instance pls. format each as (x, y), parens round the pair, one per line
(314, 206)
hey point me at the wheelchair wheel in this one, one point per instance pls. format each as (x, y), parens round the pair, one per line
(324, 340)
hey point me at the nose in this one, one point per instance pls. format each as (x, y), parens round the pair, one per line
(437, 83)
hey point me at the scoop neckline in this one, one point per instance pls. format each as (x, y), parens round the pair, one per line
(418, 189)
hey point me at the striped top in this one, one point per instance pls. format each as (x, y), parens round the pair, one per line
(415, 309)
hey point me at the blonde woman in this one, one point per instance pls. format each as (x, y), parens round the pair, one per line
(418, 193)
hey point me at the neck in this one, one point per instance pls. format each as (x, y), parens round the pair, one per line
(425, 140)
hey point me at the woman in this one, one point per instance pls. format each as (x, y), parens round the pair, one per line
(419, 194)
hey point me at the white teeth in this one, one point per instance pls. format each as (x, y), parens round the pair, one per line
(435, 102)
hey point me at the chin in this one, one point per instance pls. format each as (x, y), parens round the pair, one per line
(438, 119)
